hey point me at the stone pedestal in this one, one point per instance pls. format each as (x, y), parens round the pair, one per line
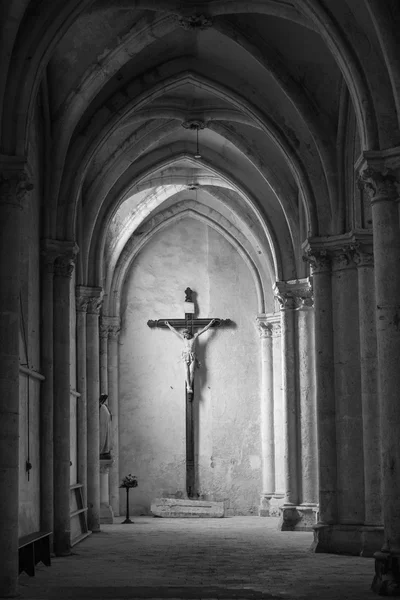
(106, 511)
(175, 508)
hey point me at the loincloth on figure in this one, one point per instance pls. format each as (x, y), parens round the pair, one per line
(188, 357)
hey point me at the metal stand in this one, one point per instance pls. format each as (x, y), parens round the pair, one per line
(127, 519)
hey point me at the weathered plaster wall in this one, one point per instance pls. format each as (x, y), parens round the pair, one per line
(29, 489)
(226, 402)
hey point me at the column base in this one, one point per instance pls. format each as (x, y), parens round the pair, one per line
(302, 517)
(355, 540)
(387, 574)
(270, 505)
(106, 514)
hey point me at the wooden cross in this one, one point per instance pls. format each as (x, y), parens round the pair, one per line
(190, 323)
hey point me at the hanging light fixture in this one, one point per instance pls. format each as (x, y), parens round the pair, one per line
(195, 125)
(197, 155)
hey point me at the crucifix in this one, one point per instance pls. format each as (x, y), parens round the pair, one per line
(189, 337)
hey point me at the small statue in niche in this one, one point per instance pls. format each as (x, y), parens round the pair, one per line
(105, 418)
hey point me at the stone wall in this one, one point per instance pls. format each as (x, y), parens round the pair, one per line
(152, 393)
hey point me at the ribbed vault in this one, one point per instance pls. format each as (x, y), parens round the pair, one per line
(286, 95)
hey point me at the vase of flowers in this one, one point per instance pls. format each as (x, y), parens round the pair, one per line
(128, 482)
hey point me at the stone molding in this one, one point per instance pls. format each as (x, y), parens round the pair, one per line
(296, 294)
(15, 180)
(195, 22)
(88, 299)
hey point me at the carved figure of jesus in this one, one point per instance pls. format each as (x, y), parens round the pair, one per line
(189, 351)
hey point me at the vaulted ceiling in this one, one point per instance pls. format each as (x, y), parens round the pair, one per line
(283, 94)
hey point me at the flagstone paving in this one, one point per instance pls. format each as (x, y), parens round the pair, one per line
(234, 558)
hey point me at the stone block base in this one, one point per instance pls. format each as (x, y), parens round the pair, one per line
(106, 514)
(356, 540)
(184, 509)
(298, 518)
(387, 574)
(270, 505)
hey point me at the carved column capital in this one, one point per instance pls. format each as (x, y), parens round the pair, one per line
(15, 181)
(111, 325)
(65, 259)
(104, 330)
(94, 304)
(88, 299)
(81, 303)
(264, 326)
(51, 250)
(320, 261)
(276, 329)
(343, 258)
(295, 294)
(380, 185)
(114, 332)
(363, 258)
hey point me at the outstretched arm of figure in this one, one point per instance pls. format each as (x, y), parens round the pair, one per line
(173, 329)
(206, 327)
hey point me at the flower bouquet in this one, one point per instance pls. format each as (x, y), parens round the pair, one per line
(128, 482)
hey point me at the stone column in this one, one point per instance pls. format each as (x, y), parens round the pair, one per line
(104, 329)
(325, 387)
(106, 512)
(279, 431)
(349, 430)
(382, 184)
(290, 397)
(113, 403)
(49, 255)
(93, 395)
(13, 188)
(364, 259)
(82, 302)
(307, 405)
(63, 268)
(267, 415)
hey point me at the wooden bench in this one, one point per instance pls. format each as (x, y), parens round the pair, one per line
(34, 548)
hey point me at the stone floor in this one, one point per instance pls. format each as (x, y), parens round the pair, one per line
(239, 557)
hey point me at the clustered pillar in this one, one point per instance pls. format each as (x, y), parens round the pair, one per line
(348, 414)
(14, 186)
(299, 508)
(380, 175)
